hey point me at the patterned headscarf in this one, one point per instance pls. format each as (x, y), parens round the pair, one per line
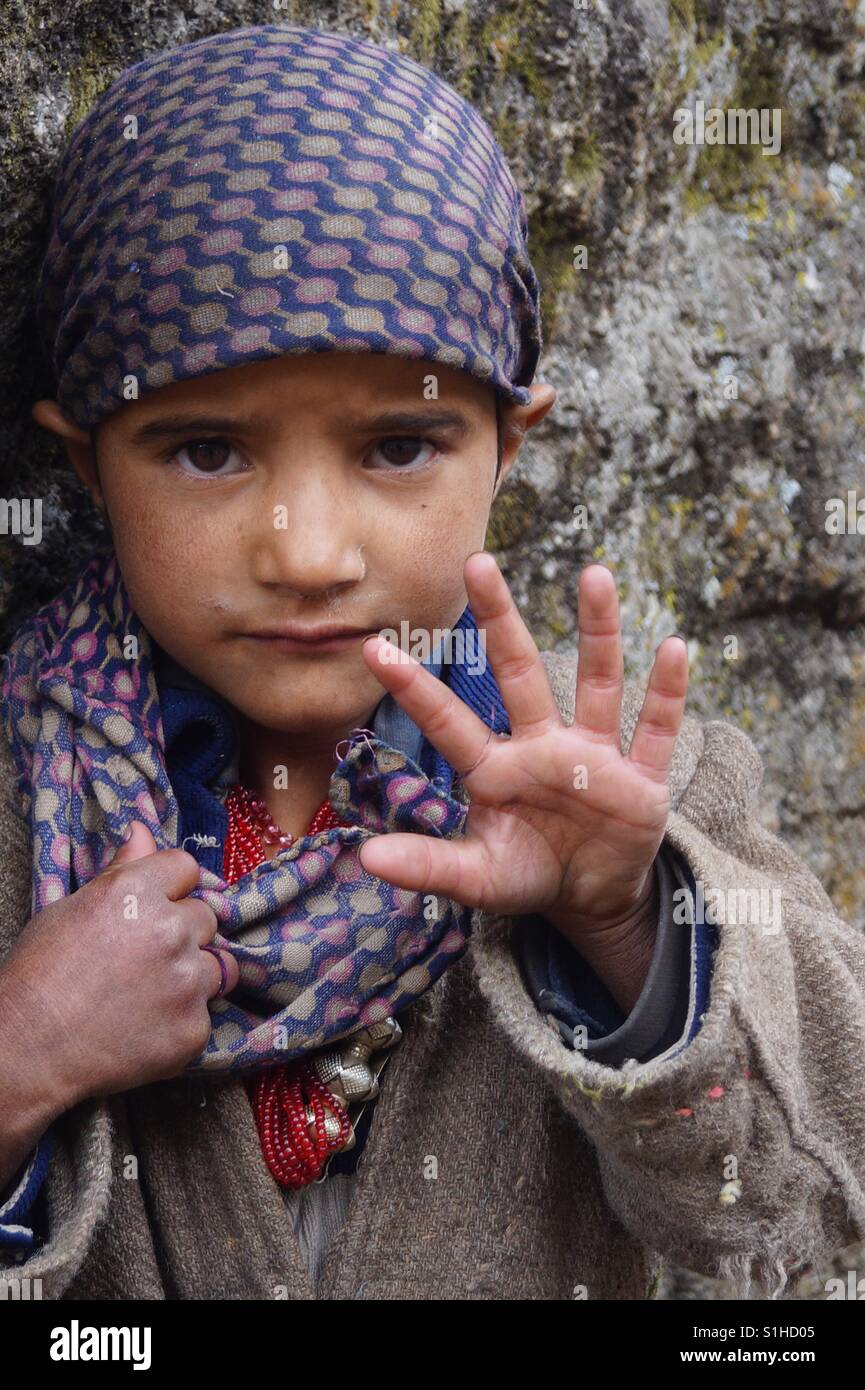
(274, 190)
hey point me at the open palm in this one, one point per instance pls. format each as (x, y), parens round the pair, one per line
(559, 820)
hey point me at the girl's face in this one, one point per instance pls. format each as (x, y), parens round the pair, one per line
(319, 490)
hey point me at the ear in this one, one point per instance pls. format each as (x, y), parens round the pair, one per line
(517, 420)
(79, 447)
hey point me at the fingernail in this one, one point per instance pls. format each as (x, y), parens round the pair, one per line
(127, 834)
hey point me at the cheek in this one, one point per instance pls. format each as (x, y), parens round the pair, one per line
(150, 529)
(429, 582)
(163, 552)
(457, 535)
(451, 522)
(155, 558)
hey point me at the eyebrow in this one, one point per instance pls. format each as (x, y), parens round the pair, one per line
(409, 422)
(167, 425)
(392, 421)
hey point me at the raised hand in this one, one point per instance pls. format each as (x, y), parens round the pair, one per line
(560, 822)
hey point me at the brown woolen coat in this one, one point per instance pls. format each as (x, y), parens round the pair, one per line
(556, 1176)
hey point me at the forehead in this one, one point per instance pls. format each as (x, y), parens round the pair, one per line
(326, 386)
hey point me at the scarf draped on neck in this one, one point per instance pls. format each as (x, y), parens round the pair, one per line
(323, 948)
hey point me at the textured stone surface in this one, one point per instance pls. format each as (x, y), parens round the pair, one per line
(703, 264)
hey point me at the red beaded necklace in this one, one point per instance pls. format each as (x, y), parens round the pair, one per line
(300, 1122)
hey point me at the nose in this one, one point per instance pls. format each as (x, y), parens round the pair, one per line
(310, 540)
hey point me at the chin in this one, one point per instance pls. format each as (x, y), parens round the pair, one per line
(305, 711)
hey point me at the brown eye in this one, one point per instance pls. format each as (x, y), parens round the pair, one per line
(208, 453)
(401, 451)
(205, 456)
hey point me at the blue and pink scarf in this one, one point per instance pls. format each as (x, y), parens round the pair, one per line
(323, 948)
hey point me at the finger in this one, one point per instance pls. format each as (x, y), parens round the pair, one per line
(214, 975)
(424, 865)
(199, 919)
(138, 846)
(660, 720)
(600, 665)
(447, 722)
(510, 648)
(174, 871)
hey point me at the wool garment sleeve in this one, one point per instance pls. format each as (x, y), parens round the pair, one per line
(743, 1156)
(74, 1183)
(19, 1197)
(667, 1014)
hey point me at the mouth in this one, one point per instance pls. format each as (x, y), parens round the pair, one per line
(291, 637)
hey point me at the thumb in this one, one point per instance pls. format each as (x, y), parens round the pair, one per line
(139, 844)
(424, 865)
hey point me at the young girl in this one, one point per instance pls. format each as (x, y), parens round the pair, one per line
(409, 981)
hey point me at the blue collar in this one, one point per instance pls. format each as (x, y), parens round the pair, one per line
(201, 736)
